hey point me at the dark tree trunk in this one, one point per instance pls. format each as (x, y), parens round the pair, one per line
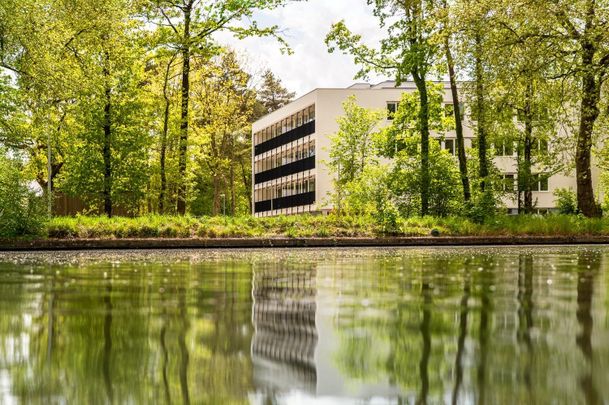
(588, 114)
(163, 152)
(183, 148)
(458, 122)
(232, 188)
(481, 116)
(247, 184)
(525, 171)
(424, 127)
(107, 148)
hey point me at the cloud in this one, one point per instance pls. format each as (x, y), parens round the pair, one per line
(305, 26)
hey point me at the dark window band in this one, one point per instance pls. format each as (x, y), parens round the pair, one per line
(286, 170)
(286, 202)
(283, 139)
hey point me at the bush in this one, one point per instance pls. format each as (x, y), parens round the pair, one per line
(566, 201)
(21, 211)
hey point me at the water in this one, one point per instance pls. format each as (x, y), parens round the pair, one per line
(502, 325)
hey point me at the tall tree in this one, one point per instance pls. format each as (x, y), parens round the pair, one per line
(522, 96)
(409, 50)
(353, 146)
(578, 31)
(457, 107)
(222, 105)
(191, 24)
(107, 163)
(272, 95)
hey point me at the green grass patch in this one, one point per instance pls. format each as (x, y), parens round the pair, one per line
(299, 226)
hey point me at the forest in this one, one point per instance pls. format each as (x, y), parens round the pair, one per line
(133, 108)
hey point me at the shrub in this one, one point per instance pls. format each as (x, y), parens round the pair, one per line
(566, 201)
(21, 210)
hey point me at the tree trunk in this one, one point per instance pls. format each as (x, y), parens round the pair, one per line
(216, 196)
(481, 116)
(183, 148)
(588, 114)
(525, 170)
(232, 188)
(163, 152)
(107, 148)
(458, 122)
(247, 184)
(424, 126)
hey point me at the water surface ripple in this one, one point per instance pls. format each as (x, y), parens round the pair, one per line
(462, 325)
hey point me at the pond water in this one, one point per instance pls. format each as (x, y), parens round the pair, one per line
(483, 325)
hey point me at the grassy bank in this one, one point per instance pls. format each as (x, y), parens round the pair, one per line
(316, 226)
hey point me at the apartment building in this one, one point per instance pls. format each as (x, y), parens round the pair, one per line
(292, 144)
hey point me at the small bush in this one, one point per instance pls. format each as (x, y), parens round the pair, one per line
(566, 201)
(22, 212)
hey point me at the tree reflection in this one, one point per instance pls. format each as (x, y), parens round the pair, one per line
(463, 313)
(525, 313)
(588, 267)
(426, 339)
(108, 342)
(127, 332)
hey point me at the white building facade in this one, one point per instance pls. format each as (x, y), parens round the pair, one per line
(290, 146)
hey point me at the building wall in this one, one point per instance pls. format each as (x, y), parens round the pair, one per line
(329, 107)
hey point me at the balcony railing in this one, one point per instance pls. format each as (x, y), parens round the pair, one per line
(285, 170)
(284, 139)
(286, 202)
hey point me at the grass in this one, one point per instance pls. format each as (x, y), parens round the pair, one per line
(154, 226)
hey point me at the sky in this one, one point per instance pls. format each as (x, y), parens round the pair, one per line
(305, 26)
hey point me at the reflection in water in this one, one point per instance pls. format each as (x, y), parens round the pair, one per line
(463, 313)
(525, 315)
(283, 313)
(397, 325)
(588, 268)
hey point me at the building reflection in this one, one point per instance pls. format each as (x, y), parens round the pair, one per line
(285, 337)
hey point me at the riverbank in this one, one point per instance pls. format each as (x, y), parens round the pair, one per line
(245, 243)
(167, 232)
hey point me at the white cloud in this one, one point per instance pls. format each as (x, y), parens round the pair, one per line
(305, 26)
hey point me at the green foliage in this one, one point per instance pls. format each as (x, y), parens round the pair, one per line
(21, 211)
(406, 123)
(353, 158)
(445, 197)
(566, 201)
(299, 226)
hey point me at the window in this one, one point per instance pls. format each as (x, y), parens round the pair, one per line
(449, 110)
(312, 184)
(508, 183)
(540, 182)
(540, 147)
(392, 108)
(504, 148)
(312, 113)
(449, 145)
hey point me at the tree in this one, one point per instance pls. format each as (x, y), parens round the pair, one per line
(272, 95)
(39, 55)
(524, 104)
(21, 211)
(107, 164)
(222, 106)
(402, 144)
(352, 148)
(457, 107)
(580, 39)
(190, 25)
(409, 50)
